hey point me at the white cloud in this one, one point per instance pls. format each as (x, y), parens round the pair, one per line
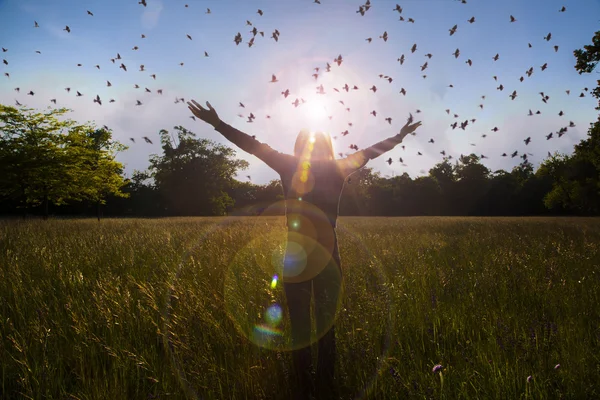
(151, 14)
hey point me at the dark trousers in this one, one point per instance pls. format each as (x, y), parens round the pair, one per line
(326, 287)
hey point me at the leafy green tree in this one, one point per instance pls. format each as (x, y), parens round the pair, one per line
(99, 174)
(557, 167)
(426, 196)
(587, 60)
(356, 195)
(576, 178)
(46, 160)
(443, 173)
(193, 175)
(500, 198)
(471, 186)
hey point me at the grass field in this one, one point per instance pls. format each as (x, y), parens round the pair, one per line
(166, 308)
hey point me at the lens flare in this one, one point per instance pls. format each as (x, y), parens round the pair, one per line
(255, 301)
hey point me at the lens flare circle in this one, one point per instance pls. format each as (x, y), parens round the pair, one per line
(258, 308)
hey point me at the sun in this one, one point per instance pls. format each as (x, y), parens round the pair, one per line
(315, 112)
(315, 108)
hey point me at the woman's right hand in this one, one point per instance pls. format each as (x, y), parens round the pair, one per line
(209, 116)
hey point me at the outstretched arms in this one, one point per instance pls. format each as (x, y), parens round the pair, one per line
(274, 159)
(359, 159)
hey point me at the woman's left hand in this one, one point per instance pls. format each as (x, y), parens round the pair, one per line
(409, 128)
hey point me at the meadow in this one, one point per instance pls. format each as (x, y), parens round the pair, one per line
(168, 308)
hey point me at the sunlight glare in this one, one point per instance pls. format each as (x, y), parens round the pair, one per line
(315, 111)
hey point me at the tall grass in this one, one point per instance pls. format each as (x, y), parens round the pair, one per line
(139, 309)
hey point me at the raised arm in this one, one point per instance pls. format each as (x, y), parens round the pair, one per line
(274, 159)
(359, 159)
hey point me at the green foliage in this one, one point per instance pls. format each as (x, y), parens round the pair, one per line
(193, 175)
(576, 178)
(47, 159)
(587, 60)
(138, 309)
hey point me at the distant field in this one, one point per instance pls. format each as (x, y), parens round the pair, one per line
(169, 308)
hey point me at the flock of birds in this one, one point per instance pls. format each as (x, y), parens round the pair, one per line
(318, 72)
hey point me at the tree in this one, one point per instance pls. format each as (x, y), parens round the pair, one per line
(355, 197)
(557, 168)
(587, 60)
(194, 175)
(576, 179)
(48, 161)
(443, 173)
(471, 186)
(94, 152)
(426, 196)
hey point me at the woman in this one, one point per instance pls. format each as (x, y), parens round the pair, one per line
(312, 182)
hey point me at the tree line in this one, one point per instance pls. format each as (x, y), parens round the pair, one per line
(50, 165)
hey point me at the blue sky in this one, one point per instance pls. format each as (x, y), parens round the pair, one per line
(311, 35)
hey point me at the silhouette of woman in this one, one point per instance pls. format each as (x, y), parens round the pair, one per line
(312, 182)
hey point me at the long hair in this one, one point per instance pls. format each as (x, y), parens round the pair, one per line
(314, 145)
